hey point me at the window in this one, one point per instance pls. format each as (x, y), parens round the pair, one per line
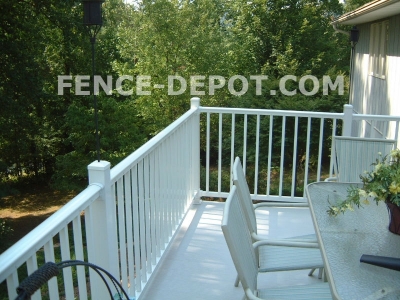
(377, 49)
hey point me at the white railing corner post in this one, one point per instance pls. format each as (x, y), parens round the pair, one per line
(195, 104)
(347, 120)
(197, 197)
(101, 229)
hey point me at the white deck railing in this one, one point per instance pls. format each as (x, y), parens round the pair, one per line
(131, 212)
(280, 145)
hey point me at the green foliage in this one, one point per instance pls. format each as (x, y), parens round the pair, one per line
(38, 41)
(5, 229)
(381, 184)
(46, 133)
(350, 5)
(5, 232)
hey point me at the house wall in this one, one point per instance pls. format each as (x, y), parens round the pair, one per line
(393, 62)
(373, 95)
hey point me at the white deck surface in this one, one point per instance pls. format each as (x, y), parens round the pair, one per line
(198, 265)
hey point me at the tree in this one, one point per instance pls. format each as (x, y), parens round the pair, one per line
(350, 5)
(43, 132)
(172, 38)
(119, 126)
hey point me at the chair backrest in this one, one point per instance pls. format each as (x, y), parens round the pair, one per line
(239, 241)
(239, 180)
(355, 155)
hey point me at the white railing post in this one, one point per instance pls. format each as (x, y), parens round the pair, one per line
(101, 229)
(195, 104)
(347, 120)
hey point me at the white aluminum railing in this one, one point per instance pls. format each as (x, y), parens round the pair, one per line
(51, 241)
(285, 157)
(130, 213)
(233, 142)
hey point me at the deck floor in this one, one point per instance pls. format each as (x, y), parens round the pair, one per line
(198, 266)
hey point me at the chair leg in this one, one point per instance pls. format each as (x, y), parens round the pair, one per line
(311, 272)
(237, 281)
(320, 272)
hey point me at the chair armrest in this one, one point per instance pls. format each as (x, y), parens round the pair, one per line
(279, 204)
(257, 238)
(250, 295)
(302, 240)
(285, 244)
(331, 179)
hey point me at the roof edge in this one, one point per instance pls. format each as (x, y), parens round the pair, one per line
(362, 10)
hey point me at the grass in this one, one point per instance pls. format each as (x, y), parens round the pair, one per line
(21, 210)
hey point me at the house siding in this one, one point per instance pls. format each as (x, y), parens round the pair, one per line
(393, 63)
(373, 95)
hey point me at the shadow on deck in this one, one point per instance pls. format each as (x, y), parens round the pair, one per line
(198, 265)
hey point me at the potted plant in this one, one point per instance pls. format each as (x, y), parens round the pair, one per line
(380, 184)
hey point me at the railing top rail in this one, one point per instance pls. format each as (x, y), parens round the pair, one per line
(364, 139)
(128, 162)
(275, 112)
(375, 117)
(20, 252)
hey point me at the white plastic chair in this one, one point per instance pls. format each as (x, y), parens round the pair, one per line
(239, 179)
(275, 255)
(244, 257)
(354, 155)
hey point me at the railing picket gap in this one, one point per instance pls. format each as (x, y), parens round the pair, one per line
(186, 154)
(208, 154)
(175, 180)
(52, 283)
(66, 255)
(158, 203)
(153, 214)
(320, 146)
(136, 229)
(294, 164)
(386, 128)
(79, 255)
(219, 152)
(271, 125)
(257, 155)
(168, 184)
(147, 211)
(121, 230)
(12, 284)
(181, 163)
(129, 233)
(142, 222)
(282, 160)
(32, 266)
(373, 133)
(331, 164)
(232, 148)
(163, 192)
(307, 162)
(244, 159)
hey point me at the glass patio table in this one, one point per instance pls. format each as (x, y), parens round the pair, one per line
(345, 238)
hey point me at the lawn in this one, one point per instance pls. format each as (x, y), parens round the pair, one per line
(23, 212)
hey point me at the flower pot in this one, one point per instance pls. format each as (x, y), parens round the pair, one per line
(394, 217)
